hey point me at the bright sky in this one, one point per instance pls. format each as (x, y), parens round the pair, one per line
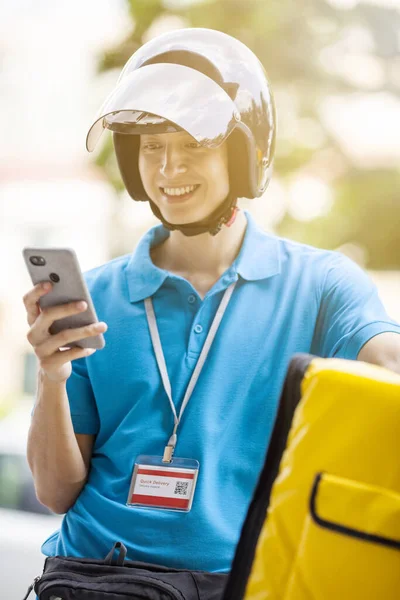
(48, 85)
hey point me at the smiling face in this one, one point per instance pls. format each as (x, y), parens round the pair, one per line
(186, 181)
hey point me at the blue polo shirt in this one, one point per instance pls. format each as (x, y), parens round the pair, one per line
(289, 298)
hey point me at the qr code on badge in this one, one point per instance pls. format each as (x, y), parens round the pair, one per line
(181, 488)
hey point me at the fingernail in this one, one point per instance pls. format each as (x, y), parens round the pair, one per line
(81, 305)
(46, 286)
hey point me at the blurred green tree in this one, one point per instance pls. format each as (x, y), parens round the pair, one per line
(304, 46)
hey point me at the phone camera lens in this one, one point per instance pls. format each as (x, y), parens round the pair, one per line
(54, 277)
(38, 261)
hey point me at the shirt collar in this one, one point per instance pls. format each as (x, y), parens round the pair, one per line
(258, 259)
(259, 255)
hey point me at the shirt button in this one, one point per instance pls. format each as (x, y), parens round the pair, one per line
(191, 299)
(198, 328)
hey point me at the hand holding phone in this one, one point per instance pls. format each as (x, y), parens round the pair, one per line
(55, 318)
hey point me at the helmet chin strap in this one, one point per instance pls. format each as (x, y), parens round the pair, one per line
(225, 213)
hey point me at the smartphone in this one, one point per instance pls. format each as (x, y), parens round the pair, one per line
(61, 267)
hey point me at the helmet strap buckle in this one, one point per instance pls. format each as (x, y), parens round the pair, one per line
(233, 217)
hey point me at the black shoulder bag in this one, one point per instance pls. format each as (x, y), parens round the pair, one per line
(114, 578)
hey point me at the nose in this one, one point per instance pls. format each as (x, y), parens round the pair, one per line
(172, 163)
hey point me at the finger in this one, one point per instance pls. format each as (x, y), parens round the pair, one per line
(31, 300)
(60, 340)
(61, 357)
(53, 313)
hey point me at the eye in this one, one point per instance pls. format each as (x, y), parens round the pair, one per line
(193, 145)
(151, 146)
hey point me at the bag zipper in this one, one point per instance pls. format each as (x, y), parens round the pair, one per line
(30, 588)
(65, 577)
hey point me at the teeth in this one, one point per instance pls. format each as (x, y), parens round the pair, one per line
(179, 191)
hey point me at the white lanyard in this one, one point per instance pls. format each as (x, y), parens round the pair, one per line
(155, 338)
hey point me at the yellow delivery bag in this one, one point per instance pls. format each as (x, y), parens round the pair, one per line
(324, 522)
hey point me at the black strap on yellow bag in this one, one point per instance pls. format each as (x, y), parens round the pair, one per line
(245, 551)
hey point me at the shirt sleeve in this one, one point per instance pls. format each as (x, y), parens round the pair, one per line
(84, 414)
(351, 312)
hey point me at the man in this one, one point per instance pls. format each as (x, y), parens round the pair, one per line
(194, 129)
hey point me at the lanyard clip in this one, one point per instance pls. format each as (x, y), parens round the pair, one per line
(170, 447)
(168, 453)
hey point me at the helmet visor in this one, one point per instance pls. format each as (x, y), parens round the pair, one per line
(167, 97)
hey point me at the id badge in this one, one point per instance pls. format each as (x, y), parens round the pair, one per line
(168, 486)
